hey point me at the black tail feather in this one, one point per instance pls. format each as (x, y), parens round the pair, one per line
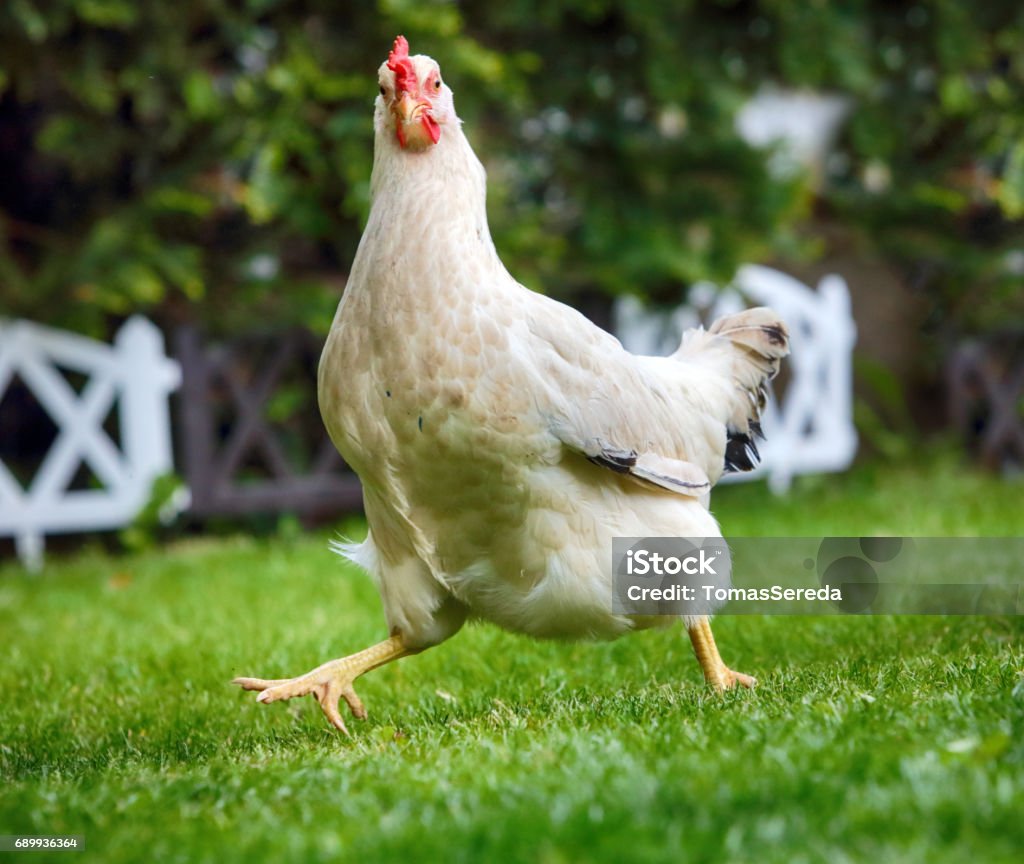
(741, 453)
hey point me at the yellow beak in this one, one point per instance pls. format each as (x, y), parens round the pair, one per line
(408, 109)
(415, 127)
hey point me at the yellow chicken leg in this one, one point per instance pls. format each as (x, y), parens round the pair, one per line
(332, 681)
(716, 673)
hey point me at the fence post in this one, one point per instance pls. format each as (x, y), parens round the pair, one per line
(149, 379)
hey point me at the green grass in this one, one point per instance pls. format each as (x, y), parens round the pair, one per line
(868, 739)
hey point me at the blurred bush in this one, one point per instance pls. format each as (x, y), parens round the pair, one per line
(208, 159)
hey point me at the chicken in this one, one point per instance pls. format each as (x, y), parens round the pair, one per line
(501, 438)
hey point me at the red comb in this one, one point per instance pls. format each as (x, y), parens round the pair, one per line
(401, 65)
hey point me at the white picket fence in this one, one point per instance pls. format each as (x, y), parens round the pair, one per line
(136, 374)
(812, 429)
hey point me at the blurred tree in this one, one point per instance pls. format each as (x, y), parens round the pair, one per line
(210, 158)
(932, 167)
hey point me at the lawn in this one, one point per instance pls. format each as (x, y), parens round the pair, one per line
(881, 739)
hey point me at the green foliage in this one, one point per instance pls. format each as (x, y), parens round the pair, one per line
(931, 167)
(881, 413)
(160, 510)
(211, 159)
(867, 738)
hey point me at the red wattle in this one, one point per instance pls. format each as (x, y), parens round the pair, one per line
(433, 130)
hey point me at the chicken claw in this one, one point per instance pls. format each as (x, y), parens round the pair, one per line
(330, 682)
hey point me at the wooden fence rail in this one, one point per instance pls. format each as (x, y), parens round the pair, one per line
(250, 431)
(985, 387)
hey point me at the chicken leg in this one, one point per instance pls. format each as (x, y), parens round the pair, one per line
(332, 681)
(716, 673)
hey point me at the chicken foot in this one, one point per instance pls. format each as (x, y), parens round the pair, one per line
(716, 673)
(332, 681)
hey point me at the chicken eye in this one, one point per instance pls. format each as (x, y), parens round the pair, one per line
(437, 83)
(383, 92)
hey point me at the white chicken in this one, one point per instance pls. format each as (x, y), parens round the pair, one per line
(501, 438)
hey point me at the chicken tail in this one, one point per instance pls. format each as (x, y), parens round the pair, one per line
(746, 349)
